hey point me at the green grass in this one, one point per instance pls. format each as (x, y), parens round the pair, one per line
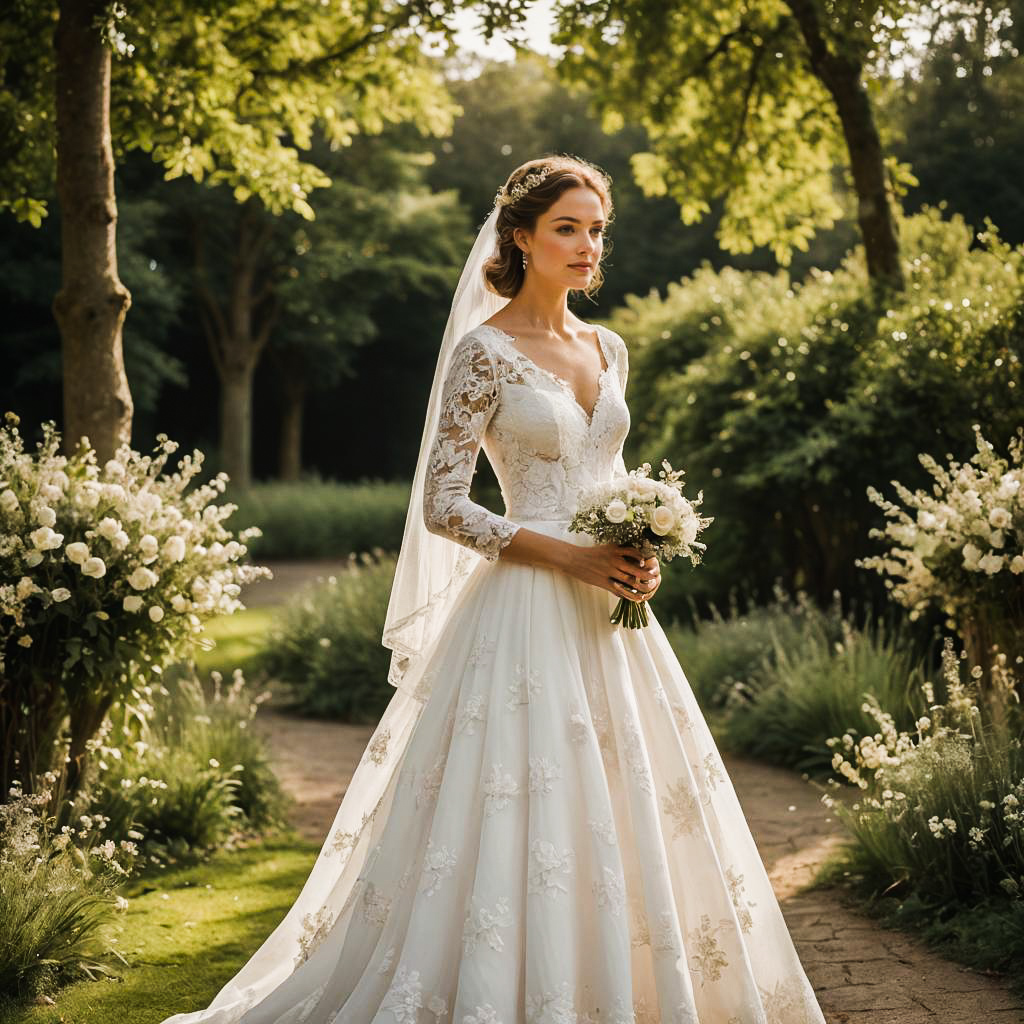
(184, 934)
(240, 639)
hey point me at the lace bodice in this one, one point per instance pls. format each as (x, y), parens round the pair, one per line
(542, 444)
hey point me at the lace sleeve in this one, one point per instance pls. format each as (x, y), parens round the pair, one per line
(468, 401)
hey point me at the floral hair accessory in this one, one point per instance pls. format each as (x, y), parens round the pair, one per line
(503, 198)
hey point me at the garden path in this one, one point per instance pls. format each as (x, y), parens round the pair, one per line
(862, 973)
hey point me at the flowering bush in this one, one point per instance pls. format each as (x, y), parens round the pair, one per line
(106, 574)
(942, 810)
(56, 887)
(960, 548)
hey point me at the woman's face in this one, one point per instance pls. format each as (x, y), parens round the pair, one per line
(566, 244)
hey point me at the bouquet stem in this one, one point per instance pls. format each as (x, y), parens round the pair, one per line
(630, 614)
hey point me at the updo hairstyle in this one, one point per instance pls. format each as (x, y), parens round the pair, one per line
(504, 272)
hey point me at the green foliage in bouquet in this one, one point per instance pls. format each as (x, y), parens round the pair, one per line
(106, 575)
(326, 645)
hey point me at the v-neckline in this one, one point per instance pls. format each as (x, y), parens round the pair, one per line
(558, 379)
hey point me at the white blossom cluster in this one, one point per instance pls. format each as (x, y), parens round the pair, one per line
(963, 539)
(117, 554)
(948, 777)
(651, 515)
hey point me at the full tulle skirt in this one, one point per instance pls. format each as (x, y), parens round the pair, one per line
(550, 837)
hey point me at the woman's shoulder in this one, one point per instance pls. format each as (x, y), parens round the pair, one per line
(618, 344)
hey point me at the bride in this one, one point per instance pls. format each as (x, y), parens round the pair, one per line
(541, 829)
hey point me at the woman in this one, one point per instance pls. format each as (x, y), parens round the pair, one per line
(541, 829)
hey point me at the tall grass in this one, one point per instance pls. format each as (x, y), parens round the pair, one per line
(183, 768)
(938, 833)
(56, 889)
(321, 518)
(326, 647)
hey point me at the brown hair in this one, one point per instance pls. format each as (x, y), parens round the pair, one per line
(504, 272)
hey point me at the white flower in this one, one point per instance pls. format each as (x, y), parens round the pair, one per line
(991, 563)
(60, 594)
(997, 538)
(688, 529)
(24, 640)
(971, 555)
(9, 501)
(132, 603)
(114, 469)
(179, 603)
(174, 548)
(156, 613)
(662, 520)
(26, 588)
(94, 567)
(77, 552)
(925, 519)
(33, 558)
(616, 511)
(142, 578)
(1017, 564)
(108, 528)
(999, 518)
(46, 516)
(150, 548)
(44, 539)
(120, 540)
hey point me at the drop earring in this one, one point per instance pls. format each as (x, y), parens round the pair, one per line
(524, 261)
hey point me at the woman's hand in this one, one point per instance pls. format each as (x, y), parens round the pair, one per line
(622, 571)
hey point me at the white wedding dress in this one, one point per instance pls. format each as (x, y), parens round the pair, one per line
(549, 837)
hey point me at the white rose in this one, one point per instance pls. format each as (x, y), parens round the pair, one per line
(77, 552)
(132, 603)
(119, 541)
(44, 539)
(156, 613)
(108, 528)
(174, 548)
(94, 567)
(971, 555)
(1017, 564)
(33, 558)
(616, 511)
(9, 501)
(688, 530)
(662, 520)
(999, 518)
(60, 594)
(142, 578)
(46, 516)
(997, 538)
(150, 548)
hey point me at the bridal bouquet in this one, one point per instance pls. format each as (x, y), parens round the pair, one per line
(639, 512)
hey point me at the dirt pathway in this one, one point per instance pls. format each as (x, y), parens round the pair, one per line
(863, 974)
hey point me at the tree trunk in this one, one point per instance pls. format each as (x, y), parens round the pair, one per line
(236, 420)
(92, 302)
(293, 387)
(235, 341)
(841, 75)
